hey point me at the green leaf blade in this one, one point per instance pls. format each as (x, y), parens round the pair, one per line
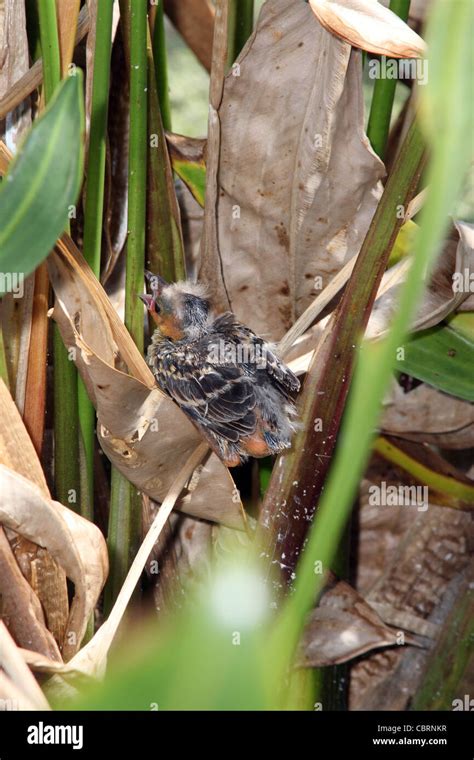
(442, 358)
(43, 182)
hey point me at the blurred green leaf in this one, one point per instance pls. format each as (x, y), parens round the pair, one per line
(210, 656)
(43, 182)
(443, 358)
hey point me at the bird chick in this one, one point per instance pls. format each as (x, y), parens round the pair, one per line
(228, 380)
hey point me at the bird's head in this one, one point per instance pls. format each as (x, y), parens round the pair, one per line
(179, 310)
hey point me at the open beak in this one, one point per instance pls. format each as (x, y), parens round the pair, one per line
(147, 300)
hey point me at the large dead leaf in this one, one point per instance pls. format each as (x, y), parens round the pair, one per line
(428, 415)
(370, 26)
(409, 564)
(76, 544)
(294, 202)
(343, 626)
(144, 434)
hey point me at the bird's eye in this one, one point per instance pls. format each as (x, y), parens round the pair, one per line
(157, 308)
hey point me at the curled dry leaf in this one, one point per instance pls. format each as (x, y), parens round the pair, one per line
(343, 627)
(45, 580)
(441, 296)
(92, 659)
(368, 25)
(76, 544)
(151, 437)
(41, 664)
(300, 204)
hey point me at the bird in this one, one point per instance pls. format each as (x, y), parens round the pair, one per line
(228, 380)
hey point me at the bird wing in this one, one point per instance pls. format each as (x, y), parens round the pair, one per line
(217, 396)
(281, 373)
(263, 356)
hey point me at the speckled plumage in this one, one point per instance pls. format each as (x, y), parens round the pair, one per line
(228, 380)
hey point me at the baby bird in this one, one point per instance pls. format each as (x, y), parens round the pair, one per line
(228, 380)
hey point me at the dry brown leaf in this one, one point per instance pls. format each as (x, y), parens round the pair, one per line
(41, 664)
(44, 575)
(151, 436)
(15, 316)
(16, 450)
(343, 626)
(194, 20)
(17, 674)
(192, 216)
(368, 25)
(67, 14)
(47, 579)
(35, 390)
(186, 148)
(91, 660)
(418, 556)
(12, 695)
(116, 177)
(439, 298)
(13, 65)
(34, 76)
(428, 415)
(20, 607)
(90, 53)
(300, 204)
(75, 543)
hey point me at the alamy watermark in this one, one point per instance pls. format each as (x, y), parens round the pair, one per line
(12, 282)
(466, 703)
(384, 495)
(44, 733)
(225, 352)
(463, 282)
(415, 69)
